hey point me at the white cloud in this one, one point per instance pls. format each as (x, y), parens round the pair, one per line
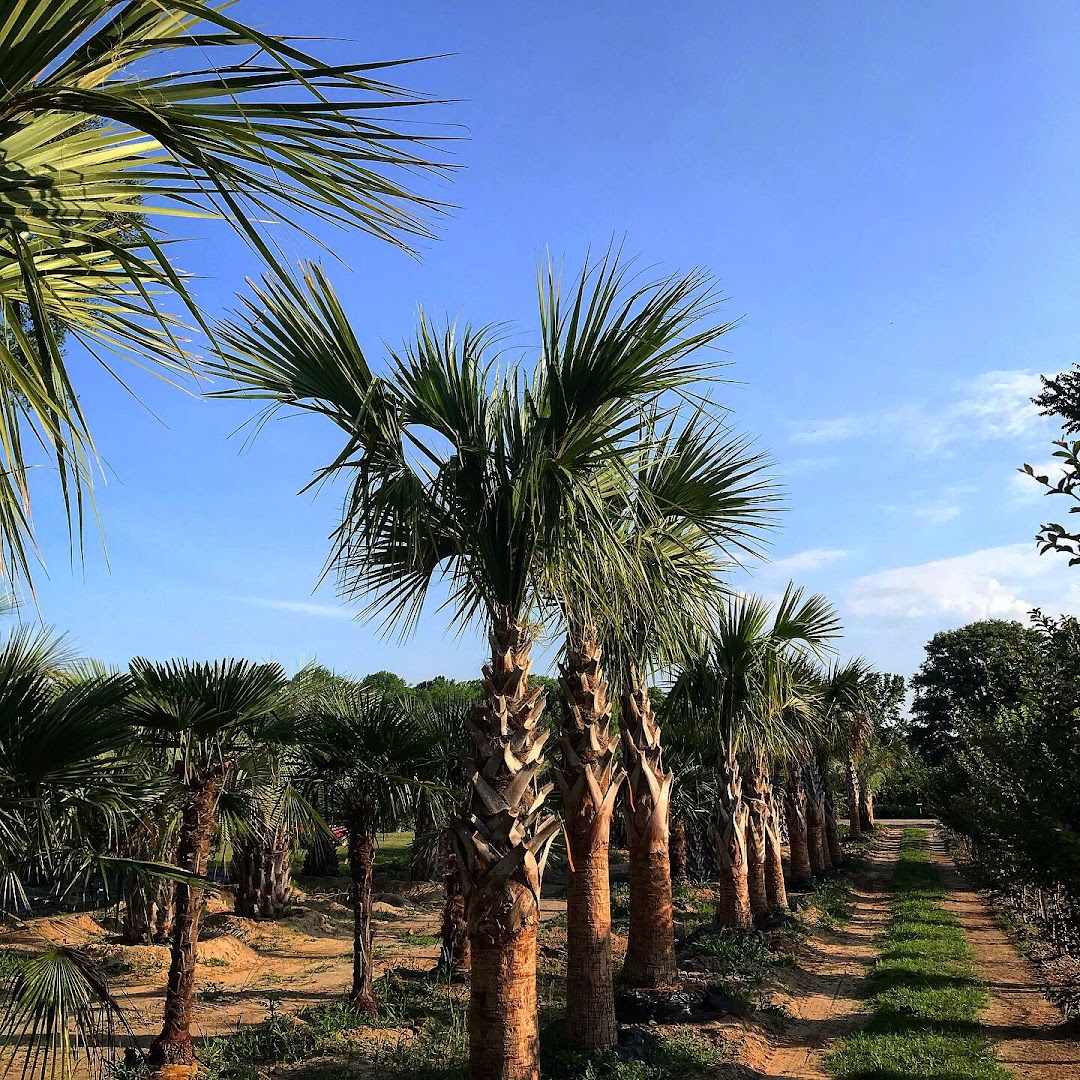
(303, 607)
(936, 513)
(993, 405)
(811, 559)
(999, 582)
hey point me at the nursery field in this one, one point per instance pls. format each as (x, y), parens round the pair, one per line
(831, 992)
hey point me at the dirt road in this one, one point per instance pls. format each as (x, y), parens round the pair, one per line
(828, 999)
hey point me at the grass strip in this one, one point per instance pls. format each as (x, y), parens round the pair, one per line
(925, 993)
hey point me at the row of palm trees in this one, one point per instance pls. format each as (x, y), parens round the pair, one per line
(167, 763)
(598, 492)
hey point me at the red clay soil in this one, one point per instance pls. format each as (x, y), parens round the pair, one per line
(1030, 1034)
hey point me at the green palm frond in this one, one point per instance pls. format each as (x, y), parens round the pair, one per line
(464, 467)
(100, 159)
(59, 1010)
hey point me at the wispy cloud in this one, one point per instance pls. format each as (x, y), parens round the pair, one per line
(993, 405)
(992, 583)
(302, 607)
(811, 559)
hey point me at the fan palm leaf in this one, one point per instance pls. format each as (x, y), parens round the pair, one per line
(117, 119)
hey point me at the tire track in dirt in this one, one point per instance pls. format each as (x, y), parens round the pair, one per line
(825, 997)
(1030, 1034)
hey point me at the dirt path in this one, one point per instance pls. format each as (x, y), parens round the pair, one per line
(825, 995)
(1030, 1034)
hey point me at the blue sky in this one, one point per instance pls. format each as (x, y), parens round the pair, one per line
(887, 193)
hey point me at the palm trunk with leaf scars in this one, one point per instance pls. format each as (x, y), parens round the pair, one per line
(262, 870)
(775, 889)
(832, 833)
(815, 819)
(202, 790)
(854, 819)
(650, 946)
(755, 794)
(360, 822)
(679, 853)
(866, 809)
(798, 836)
(454, 955)
(589, 781)
(502, 843)
(733, 906)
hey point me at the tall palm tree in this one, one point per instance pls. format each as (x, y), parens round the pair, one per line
(700, 496)
(99, 150)
(733, 687)
(210, 714)
(464, 470)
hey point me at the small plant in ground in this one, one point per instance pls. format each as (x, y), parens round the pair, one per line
(684, 1056)
(418, 940)
(215, 962)
(926, 996)
(211, 991)
(739, 964)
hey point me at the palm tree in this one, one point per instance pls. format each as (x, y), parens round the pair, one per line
(699, 494)
(843, 701)
(369, 751)
(68, 782)
(210, 714)
(96, 152)
(465, 471)
(734, 687)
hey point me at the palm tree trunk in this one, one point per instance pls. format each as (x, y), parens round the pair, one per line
(321, 858)
(502, 843)
(423, 858)
(589, 780)
(361, 826)
(454, 958)
(202, 790)
(832, 834)
(679, 854)
(262, 871)
(815, 819)
(733, 907)
(650, 946)
(866, 810)
(854, 820)
(247, 876)
(276, 892)
(795, 805)
(775, 890)
(755, 794)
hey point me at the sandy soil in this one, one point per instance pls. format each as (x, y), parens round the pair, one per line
(824, 994)
(306, 959)
(1030, 1033)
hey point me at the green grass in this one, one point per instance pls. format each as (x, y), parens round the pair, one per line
(925, 993)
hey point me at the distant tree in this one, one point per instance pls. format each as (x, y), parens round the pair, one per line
(974, 671)
(385, 683)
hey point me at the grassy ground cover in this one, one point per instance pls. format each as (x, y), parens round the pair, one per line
(925, 993)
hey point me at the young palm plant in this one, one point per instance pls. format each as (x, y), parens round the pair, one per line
(734, 686)
(210, 715)
(465, 471)
(69, 780)
(369, 751)
(117, 116)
